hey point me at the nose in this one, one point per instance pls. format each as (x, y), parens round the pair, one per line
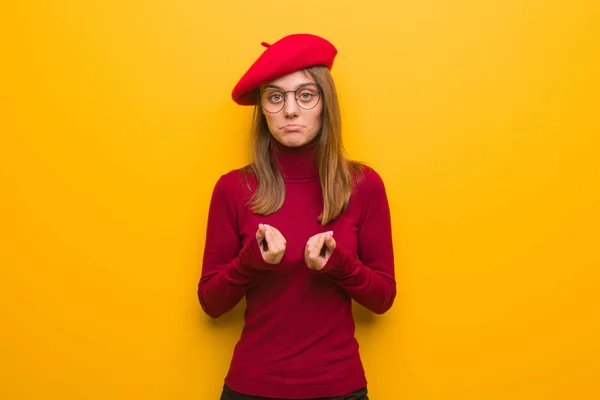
(290, 108)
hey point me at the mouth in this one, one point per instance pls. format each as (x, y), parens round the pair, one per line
(292, 128)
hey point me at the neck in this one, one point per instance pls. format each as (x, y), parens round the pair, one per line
(296, 162)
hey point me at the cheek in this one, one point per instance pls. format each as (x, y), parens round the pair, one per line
(270, 122)
(317, 120)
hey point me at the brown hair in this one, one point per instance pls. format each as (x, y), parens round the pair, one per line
(336, 171)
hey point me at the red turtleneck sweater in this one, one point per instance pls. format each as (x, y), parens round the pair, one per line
(298, 338)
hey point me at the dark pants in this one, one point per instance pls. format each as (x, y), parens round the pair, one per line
(229, 394)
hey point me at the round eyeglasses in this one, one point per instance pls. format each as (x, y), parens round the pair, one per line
(273, 99)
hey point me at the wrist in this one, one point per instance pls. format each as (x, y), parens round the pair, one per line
(251, 257)
(338, 258)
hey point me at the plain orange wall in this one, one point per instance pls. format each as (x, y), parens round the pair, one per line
(482, 117)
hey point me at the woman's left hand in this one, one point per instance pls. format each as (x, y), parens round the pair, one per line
(318, 250)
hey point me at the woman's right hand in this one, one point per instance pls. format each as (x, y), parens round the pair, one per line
(271, 243)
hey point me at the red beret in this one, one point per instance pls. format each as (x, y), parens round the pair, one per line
(289, 54)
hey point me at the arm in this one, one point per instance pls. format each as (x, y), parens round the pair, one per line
(370, 279)
(228, 267)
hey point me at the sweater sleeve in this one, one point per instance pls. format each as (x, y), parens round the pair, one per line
(228, 268)
(369, 276)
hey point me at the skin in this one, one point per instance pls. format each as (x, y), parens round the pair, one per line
(318, 250)
(294, 127)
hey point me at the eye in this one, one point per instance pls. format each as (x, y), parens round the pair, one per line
(276, 97)
(306, 95)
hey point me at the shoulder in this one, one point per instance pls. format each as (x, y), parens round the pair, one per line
(235, 182)
(370, 196)
(368, 179)
(231, 181)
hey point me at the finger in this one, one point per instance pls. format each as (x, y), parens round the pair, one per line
(268, 236)
(330, 242)
(323, 252)
(275, 245)
(260, 233)
(311, 242)
(277, 235)
(277, 238)
(323, 249)
(265, 241)
(317, 247)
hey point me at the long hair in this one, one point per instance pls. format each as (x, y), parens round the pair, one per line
(338, 173)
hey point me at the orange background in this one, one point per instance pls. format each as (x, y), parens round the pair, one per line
(482, 118)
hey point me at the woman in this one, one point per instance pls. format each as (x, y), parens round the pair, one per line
(300, 232)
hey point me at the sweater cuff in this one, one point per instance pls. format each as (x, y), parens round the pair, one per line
(252, 258)
(340, 263)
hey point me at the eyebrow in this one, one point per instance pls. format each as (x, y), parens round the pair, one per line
(297, 87)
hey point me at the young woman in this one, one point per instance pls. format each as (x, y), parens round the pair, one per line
(300, 233)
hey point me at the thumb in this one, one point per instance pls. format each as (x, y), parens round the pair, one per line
(260, 233)
(330, 241)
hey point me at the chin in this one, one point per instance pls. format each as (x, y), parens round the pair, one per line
(294, 143)
(290, 140)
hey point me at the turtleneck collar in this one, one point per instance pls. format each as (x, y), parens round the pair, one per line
(296, 162)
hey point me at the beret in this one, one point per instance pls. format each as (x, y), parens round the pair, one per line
(287, 55)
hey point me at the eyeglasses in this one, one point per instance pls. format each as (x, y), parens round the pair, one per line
(307, 97)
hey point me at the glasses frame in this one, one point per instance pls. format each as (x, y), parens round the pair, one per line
(284, 93)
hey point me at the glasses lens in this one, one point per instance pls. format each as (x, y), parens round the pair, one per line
(272, 101)
(307, 97)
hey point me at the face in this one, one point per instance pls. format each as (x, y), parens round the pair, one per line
(293, 125)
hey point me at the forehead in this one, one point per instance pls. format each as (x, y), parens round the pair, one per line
(291, 81)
